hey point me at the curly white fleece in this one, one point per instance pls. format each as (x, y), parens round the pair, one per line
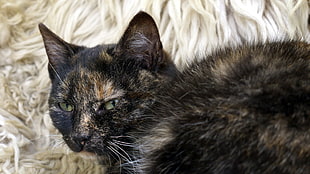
(28, 141)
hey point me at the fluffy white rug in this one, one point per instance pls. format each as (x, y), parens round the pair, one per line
(28, 141)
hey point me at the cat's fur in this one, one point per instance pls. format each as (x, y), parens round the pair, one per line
(240, 110)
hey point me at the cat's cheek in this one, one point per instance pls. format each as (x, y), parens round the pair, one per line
(62, 122)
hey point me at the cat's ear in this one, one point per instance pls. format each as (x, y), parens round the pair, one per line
(58, 51)
(141, 42)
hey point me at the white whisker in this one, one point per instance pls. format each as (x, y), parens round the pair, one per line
(115, 145)
(126, 157)
(120, 136)
(58, 76)
(54, 135)
(129, 162)
(123, 143)
(117, 154)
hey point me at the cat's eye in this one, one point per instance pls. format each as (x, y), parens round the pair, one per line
(111, 104)
(66, 107)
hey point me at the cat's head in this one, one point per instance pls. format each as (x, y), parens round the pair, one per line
(98, 94)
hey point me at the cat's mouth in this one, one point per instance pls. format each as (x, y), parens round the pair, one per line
(100, 147)
(103, 159)
(87, 145)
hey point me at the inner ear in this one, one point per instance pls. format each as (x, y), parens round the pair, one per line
(58, 51)
(141, 42)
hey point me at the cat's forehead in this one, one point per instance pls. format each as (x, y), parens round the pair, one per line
(91, 85)
(94, 55)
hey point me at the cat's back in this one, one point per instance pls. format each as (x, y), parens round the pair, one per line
(242, 110)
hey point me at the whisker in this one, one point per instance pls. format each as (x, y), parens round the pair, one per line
(117, 154)
(123, 151)
(126, 157)
(55, 138)
(113, 156)
(57, 74)
(53, 135)
(123, 143)
(114, 152)
(120, 136)
(109, 159)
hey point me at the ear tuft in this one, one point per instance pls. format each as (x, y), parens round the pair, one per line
(141, 41)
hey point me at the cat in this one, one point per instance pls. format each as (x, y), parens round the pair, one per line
(239, 110)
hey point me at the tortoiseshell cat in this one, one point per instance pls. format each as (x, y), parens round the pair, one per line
(240, 110)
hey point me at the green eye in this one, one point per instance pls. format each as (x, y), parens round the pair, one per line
(111, 104)
(66, 107)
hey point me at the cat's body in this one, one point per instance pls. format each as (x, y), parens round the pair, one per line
(244, 110)
(241, 110)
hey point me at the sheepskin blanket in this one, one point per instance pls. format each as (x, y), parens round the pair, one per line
(189, 29)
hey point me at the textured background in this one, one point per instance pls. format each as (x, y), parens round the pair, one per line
(28, 141)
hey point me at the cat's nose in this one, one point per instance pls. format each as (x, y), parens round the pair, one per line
(80, 140)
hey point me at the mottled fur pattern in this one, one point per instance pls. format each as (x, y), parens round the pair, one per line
(86, 79)
(240, 110)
